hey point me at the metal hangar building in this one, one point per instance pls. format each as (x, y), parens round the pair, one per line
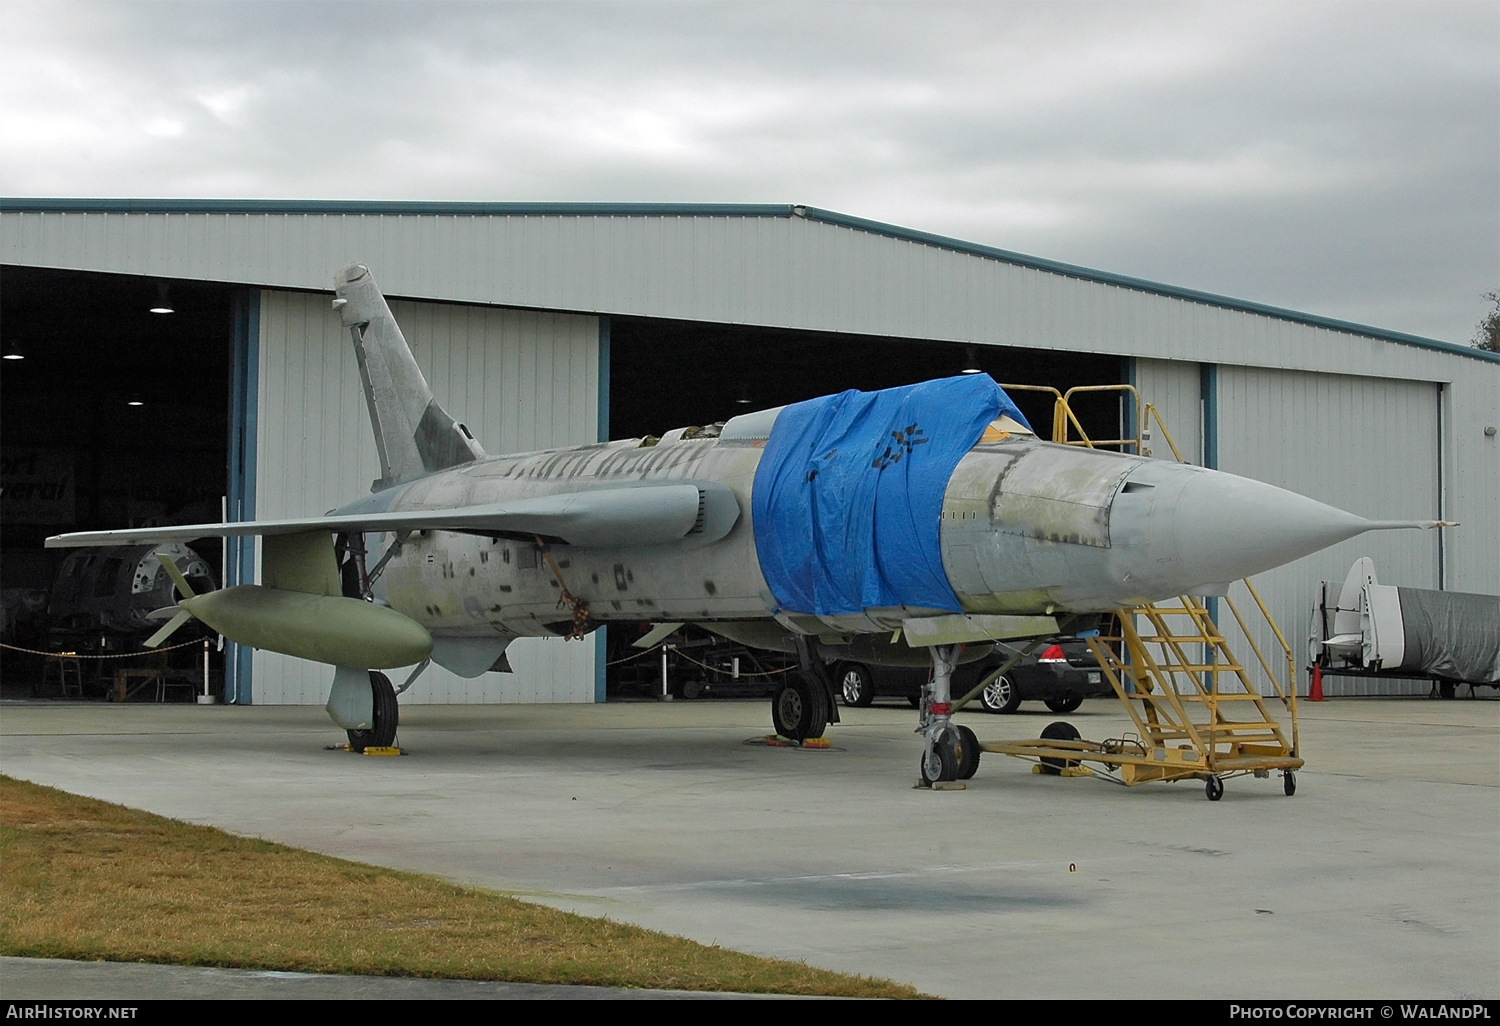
(545, 325)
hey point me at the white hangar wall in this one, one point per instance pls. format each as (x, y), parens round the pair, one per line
(519, 379)
(1367, 445)
(1373, 446)
(741, 265)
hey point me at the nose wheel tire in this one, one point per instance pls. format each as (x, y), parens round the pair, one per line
(1213, 788)
(1000, 696)
(968, 752)
(382, 734)
(940, 762)
(798, 710)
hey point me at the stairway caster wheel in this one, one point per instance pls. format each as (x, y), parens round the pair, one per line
(1213, 787)
(1289, 783)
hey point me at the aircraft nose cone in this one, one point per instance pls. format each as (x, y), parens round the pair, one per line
(1230, 527)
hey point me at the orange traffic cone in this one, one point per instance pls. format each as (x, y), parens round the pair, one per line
(1315, 689)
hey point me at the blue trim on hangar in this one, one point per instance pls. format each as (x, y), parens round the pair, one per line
(244, 409)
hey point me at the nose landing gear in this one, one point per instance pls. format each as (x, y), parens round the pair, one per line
(949, 752)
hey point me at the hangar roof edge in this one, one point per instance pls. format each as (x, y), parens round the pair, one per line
(413, 208)
(1144, 285)
(542, 209)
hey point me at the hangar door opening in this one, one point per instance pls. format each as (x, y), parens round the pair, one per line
(665, 374)
(112, 416)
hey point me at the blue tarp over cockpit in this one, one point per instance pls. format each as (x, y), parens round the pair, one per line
(848, 496)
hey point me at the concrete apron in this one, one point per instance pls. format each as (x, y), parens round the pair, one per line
(1376, 880)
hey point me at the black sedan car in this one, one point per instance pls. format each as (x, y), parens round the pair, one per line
(1061, 674)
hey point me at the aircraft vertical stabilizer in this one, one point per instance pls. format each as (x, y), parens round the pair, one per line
(414, 435)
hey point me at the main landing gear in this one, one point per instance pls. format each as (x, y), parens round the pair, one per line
(382, 733)
(803, 706)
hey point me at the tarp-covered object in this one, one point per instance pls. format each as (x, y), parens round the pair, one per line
(849, 493)
(1451, 635)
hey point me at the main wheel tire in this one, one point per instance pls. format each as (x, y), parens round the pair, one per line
(968, 752)
(799, 710)
(387, 714)
(1061, 730)
(1064, 705)
(941, 763)
(1000, 696)
(855, 685)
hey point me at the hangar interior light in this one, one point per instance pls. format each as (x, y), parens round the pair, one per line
(971, 363)
(13, 351)
(163, 302)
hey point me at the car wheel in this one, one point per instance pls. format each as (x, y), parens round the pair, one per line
(1000, 696)
(1064, 705)
(855, 686)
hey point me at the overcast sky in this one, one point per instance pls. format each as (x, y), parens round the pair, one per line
(1338, 158)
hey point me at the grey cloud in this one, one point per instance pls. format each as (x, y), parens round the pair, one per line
(1340, 158)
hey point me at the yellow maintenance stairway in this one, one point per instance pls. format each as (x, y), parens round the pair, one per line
(1195, 707)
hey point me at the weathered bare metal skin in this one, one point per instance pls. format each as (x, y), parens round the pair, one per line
(459, 583)
(1013, 541)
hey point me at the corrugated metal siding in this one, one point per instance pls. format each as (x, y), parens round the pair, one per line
(520, 380)
(1172, 386)
(786, 272)
(1471, 479)
(1366, 445)
(1379, 687)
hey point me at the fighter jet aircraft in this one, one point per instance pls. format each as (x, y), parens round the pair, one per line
(888, 526)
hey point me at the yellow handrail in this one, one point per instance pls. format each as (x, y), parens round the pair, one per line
(1083, 436)
(1150, 411)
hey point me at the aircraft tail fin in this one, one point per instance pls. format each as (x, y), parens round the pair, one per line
(413, 433)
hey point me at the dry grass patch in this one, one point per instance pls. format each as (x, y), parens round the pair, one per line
(89, 880)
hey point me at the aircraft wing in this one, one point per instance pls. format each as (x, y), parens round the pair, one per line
(651, 515)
